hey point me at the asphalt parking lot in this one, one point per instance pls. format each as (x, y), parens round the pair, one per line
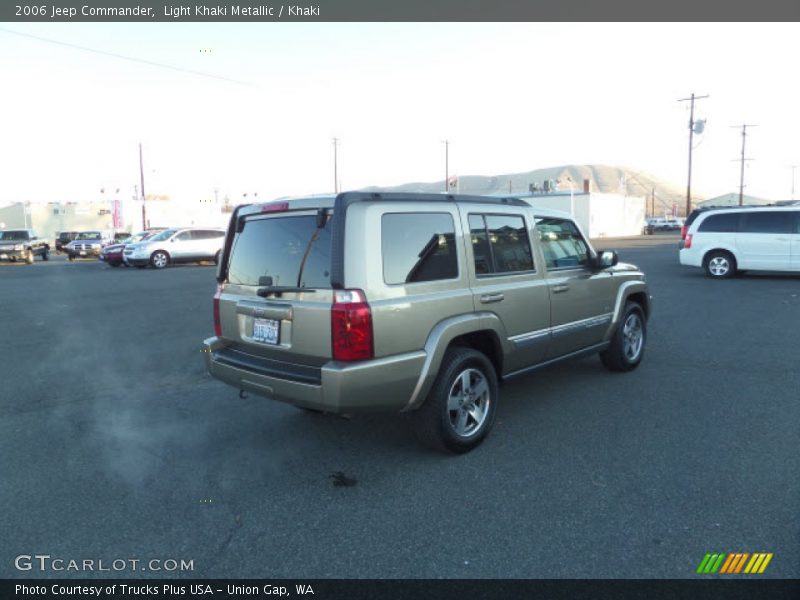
(117, 445)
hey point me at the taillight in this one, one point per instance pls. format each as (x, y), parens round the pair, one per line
(683, 231)
(687, 243)
(351, 326)
(217, 322)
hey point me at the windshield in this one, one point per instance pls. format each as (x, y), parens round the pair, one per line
(88, 235)
(13, 235)
(164, 235)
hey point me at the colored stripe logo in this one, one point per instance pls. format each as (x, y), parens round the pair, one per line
(734, 563)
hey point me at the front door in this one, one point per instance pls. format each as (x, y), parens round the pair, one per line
(581, 298)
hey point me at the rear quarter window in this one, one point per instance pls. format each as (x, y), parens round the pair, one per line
(721, 223)
(418, 247)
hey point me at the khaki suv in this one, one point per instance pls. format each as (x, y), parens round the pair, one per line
(417, 303)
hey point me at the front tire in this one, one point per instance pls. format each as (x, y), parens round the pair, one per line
(29, 257)
(461, 406)
(627, 344)
(720, 265)
(159, 259)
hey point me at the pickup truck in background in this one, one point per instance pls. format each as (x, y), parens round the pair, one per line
(22, 245)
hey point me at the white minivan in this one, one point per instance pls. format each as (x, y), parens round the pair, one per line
(725, 241)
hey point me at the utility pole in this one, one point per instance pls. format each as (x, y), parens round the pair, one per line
(653, 202)
(336, 165)
(141, 180)
(743, 159)
(692, 98)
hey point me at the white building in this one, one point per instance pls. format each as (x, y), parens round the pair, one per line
(599, 215)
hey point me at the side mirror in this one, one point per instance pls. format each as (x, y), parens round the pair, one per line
(606, 259)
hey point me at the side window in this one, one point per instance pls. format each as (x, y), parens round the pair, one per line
(500, 244)
(183, 236)
(721, 223)
(562, 244)
(418, 247)
(199, 234)
(766, 222)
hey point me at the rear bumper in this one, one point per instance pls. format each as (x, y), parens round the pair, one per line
(690, 258)
(383, 384)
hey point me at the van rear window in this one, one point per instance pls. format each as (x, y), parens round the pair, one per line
(291, 250)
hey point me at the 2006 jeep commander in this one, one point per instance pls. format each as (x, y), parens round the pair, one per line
(411, 302)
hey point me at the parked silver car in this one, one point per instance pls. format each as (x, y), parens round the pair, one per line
(187, 244)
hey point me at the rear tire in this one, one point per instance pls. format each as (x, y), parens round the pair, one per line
(46, 254)
(627, 344)
(720, 264)
(460, 409)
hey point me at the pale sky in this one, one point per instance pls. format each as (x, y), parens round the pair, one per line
(247, 108)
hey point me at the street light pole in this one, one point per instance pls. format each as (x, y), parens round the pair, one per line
(446, 166)
(141, 180)
(335, 165)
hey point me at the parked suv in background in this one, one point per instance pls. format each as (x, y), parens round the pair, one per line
(64, 238)
(188, 244)
(724, 241)
(419, 303)
(22, 245)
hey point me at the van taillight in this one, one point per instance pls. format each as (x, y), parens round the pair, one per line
(351, 326)
(687, 243)
(217, 323)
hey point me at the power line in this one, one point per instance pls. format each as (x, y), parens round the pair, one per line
(128, 58)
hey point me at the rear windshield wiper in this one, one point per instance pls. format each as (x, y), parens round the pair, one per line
(268, 289)
(277, 290)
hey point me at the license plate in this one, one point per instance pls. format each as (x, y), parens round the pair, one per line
(3, 256)
(266, 330)
(83, 252)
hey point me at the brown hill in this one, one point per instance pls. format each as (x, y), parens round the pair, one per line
(603, 178)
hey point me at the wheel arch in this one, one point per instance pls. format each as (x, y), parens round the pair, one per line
(483, 332)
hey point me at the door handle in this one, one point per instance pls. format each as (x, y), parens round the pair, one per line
(557, 289)
(489, 298)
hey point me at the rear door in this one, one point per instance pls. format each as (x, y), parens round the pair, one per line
(764, 240)
(506, 281)
(285, 249)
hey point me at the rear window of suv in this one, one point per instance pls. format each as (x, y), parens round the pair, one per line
(291, 250)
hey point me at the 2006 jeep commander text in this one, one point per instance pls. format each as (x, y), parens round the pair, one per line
(417, 303)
